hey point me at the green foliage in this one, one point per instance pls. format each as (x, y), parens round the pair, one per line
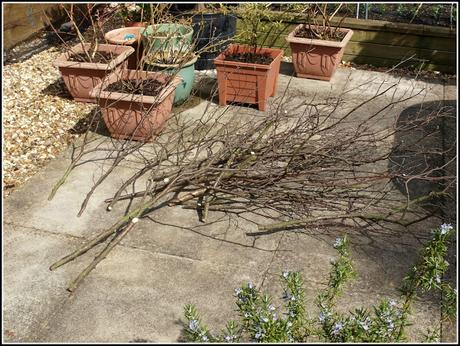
(342, 271)
(449, 302)
(427, 274)
(432, 335)
(196, 331)
(256, 19)
(261, 321)
(135, 12)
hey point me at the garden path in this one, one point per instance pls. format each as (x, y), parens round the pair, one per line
(138, 292)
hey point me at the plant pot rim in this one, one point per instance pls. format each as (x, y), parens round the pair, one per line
(220, 60)
(188, 27)
(137, 31)
(125, 51)
(311, 41)
(188, 63)
(98, 92)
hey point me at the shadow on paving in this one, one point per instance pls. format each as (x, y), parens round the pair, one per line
(422, 150)
(93, 122)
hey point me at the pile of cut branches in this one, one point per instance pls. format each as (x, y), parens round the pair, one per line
(298, 164)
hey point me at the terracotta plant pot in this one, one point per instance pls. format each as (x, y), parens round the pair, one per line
(246, 82)
(81, 77)
(118, 36)
(135, 116)
(316, 59)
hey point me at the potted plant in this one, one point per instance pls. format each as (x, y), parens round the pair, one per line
(174, 62)
(136, 104)
(165, 36)
(248, 73)
(317, 47)
(87, 63)
(213, 28)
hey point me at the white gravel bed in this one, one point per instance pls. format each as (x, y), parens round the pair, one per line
(37, 114)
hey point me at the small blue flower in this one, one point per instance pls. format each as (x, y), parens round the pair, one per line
(322, 317)
(338, 242)
(247, 314)
(238, 291)
(390, 325)
(229, 338)
(445, 228)
(392, 303)
(193, 325)
(258, 335)
(204, 338)
(285, 274)
(271, 308)
(337, 328)
(364, 324)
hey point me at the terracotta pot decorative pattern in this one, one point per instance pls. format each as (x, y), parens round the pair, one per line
(81, 77)
(317, 59)
(135, 116)
(245, 82)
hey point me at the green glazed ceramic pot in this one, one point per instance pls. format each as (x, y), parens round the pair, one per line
(166, 37)
(186, 73)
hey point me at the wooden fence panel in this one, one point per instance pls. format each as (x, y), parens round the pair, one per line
(21, 21)
(381, 43)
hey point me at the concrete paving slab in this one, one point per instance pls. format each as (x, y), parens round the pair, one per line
(138, 292)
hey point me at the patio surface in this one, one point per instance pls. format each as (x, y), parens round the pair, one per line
(138, 292)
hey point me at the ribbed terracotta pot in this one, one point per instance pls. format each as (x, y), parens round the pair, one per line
(81, 77)
(135, 116)
(117, 37)
(317, 59)
(245, 82)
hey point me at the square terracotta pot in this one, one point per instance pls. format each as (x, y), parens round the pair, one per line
(81, 77)
(316, 59)
(245, 82)
(135, 116)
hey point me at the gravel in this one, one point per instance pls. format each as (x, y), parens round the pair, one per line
(38, 117)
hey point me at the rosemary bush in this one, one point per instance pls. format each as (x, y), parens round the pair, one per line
(261, 321)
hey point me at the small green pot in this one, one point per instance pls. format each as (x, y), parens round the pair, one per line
(186, 74)
(166, 37)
